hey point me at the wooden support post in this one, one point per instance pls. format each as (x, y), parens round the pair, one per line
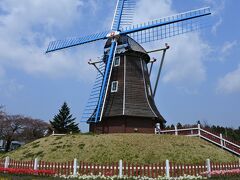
(35, 164)
(208, 164)
(6, 164)
(75, 167)
(167, 169)
(221, 140)
(199, 130)
(120, 166)
(176, 131)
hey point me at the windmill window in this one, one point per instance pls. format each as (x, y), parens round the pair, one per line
(117, 61)
(114, 87)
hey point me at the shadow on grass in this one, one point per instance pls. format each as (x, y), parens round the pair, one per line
(2, 154)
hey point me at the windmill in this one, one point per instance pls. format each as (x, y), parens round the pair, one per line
(121, 99)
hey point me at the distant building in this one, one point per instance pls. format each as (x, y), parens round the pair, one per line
(14, 145)
(2, 145)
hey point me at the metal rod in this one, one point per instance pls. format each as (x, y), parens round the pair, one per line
(162, 49)
(98, 69)
(150, 68)
(159, 72)
(153, 61)
(94, 64)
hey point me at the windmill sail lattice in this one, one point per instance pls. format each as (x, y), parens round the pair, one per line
(123, 15)
(121, 39)
(105, 83)
(170, 26)
(70, 42)
(89, 112)
(145, 32)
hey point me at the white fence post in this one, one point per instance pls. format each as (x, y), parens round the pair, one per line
(35, 164)
(120, 166)
(221, 140)
(167, 169)
(6, 164)
(176, 132)
(208, 163)
(75, 167)
(199, 129)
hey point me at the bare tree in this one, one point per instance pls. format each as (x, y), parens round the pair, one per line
(33, 129)
(2, 112)
(18, 127)
(11, 126)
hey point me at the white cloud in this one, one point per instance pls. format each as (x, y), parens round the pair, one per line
(8, 87)
(230, 83)
(228, 46)
(2, 73)
(221, 53)
(217, 25)
(152, 9)
(217, 6)
(184, 60)
(28, 26)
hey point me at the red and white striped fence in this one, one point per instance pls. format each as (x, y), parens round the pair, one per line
(121, 168)
(205, 134)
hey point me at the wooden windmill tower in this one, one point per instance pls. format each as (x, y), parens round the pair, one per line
(121, 99)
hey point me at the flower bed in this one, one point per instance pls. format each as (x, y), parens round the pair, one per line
(216, 173)
(103, 177)
(27, 171)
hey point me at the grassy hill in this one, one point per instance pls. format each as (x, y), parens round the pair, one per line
(141, 148)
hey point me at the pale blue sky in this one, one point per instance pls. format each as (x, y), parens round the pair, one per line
(200, 80)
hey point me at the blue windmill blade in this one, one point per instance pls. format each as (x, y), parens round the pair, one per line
(170, 30)
(70, 42)
(168, 26)
(123, 14)
(105, 83)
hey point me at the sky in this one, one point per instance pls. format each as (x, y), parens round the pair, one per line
(200, 78)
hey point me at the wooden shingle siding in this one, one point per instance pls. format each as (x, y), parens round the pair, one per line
(150, 97)
(114, 100)
(138, 101)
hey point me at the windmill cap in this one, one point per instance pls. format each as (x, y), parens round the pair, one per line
(130, 45)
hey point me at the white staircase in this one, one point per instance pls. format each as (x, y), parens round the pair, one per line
(220, 141)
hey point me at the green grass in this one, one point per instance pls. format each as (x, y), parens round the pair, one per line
(2, 154)
(138, 148)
